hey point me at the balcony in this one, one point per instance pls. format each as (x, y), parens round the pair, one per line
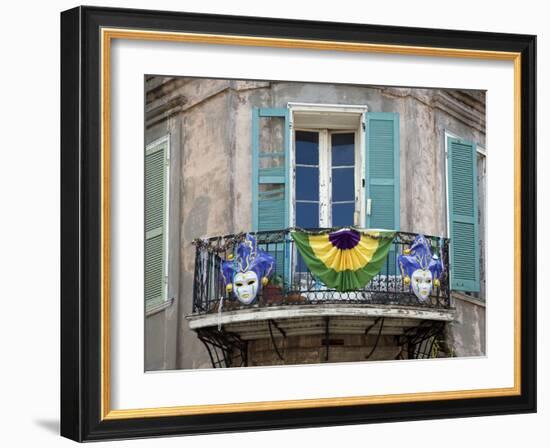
(293, 284)
(296, 319)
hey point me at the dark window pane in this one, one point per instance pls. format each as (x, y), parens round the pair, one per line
(343, 149)
(307, 183)
(343, 184)
(307, 148)
(342, 214)
(307, 214)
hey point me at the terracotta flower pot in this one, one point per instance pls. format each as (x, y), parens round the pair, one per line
(272, 294)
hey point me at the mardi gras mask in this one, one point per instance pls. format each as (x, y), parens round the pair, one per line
(242, 274)
(421, 282)
(420, 268)
(245, 285)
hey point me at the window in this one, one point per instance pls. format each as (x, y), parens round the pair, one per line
(157, 155)
(327, 169)
(324, 165)
(463, 213)
(328, 181)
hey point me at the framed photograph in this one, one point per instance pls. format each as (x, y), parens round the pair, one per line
(273, 223)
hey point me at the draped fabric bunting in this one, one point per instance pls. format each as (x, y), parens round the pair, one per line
(345, 259)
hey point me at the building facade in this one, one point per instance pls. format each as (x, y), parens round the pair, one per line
(230, 157)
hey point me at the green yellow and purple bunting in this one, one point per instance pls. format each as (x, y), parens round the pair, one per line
(345, 259)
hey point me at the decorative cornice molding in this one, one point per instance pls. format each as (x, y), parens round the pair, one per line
(175, 95)
(462, 106)
(468, 107)
(168, 96)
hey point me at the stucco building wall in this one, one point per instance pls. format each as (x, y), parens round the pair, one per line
(209, 122)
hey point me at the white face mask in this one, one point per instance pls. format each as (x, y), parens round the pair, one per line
(422, 283)
(245, 285)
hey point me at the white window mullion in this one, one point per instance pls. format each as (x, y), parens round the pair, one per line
(359, 187)
(292, 173)
(324, 179)
(328, 192)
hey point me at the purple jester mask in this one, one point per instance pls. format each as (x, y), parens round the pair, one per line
(420, 268)
(248, 271)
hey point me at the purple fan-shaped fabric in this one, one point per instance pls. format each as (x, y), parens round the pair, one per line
(345, 239)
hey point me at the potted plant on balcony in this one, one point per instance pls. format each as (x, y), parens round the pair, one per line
(272, 293)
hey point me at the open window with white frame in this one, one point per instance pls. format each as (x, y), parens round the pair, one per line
(327, 166)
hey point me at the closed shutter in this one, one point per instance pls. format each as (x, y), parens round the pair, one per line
(463, 215)
(382, 162)
(156, 166)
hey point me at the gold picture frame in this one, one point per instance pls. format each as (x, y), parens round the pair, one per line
(105, 26)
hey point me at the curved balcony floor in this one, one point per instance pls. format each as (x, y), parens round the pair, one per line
(296, 320)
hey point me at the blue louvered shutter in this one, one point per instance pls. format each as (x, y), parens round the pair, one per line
(463, 215)
(382, 162)
(270, 170)
(270, 194)
(156, 165)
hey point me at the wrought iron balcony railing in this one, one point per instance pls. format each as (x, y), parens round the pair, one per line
(293, 284)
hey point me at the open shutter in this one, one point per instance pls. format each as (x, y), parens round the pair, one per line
(270, 168)
(156, 165)
(270, 194)
(463, 215)
(382, 162)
